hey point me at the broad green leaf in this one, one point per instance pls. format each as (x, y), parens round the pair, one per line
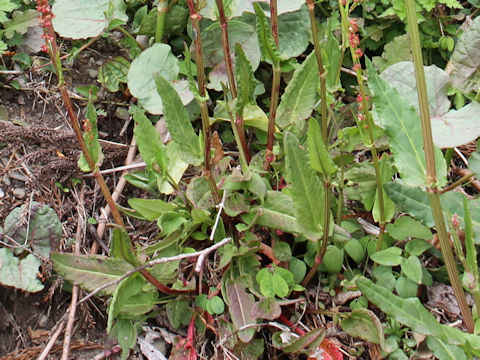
(253, 115)
(317, 150)
(20, 22)
(403, 128)
(215, 305)
(398, 49)
(355, 250)
(306, 190)
(244, 79)
(178, 312)
(444, 351)
(131, 300)
(405, 287)
(150, 209)
(126, 334)
(417, 247)
(277, 212)
(178, 122)
(41, 230)
(450, 128)
(293, 32)
(150, 145)
(90, 272)
(238, 33)
(405, 227)
(269, 50)
(113, 72)
(265, 280)
(388, 257)
(333, 259)
(298, 269)
(386, 173)
(364, 324)
(471, 266)
(176, 168)
(298, 100)
(199, 193)
(157, 59)
(240, 304)
(121, 246)
(412, 268)
(332, 56)
(465, 60)
(90, 136)
(280, 286)
(84, 19)
(415, 202)
(20, 273)
(410, 312)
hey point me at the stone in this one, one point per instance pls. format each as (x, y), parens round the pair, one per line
(92, 73)
(19, 193)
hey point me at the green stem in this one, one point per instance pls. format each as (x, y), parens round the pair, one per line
(431, 178)
(369, 125)
(127, 34)
(340, 191)
(195, 17)
(238, 123)
(162, 9)
(456, 183)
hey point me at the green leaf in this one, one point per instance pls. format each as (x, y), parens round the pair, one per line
(388, 257)
(300, 95)
(333, 259)
(398, 49)
(412, 268)
(21, 21)
(240, 304)
(417, 247)
(277, 212)
(402, 127)
(191, 81)
(280, 286)
(465, 60)
(121, 246)
(355, 250)
(293, 33)
(471, 266)
(317, 150)
(332, 56)
(113, 72)
(178, 122)
(178, 312)
(90, 136)
(245, 80)
(282, 251)
(238, 33)
(269, 50)
(90, 272)
(21, 274)
(410, 312)
(215, 305)
(307, 190)
(150, 145)
(150, 209)
(265, 280)
(298, 269)
(156, 59)
(364, 324)
(444, 351)
(126, 334)
(84, 19)
(405, 227)
(450, 128)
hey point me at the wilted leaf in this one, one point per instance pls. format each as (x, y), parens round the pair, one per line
(304, 344)
(113, 72)
(364, 324)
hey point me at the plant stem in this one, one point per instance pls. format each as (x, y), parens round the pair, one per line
(238, 123)
(162, 9)
(275, 95)
(127, 34)
(322, 245)
(195, 17)
(369, 126)
(456, 183)
(431, 178)
(321, 71)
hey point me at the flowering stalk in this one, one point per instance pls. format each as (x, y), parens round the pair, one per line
(364, 117)
(52, 49)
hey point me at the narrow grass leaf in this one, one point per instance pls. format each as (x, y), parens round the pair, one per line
(317, 150)
(245, 80)
(90, 136)
(269, 50)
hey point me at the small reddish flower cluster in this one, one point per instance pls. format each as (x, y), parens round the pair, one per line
(353, 38)
(360, 115)
(87, 127)
(45, 20)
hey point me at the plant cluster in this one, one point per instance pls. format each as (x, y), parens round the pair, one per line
(303, 144)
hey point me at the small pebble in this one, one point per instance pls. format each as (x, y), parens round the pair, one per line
(5, 161)
(92, 73)
(17, 176)
(6, 180)
(43, 322)
(19, 193)
(21, 100)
